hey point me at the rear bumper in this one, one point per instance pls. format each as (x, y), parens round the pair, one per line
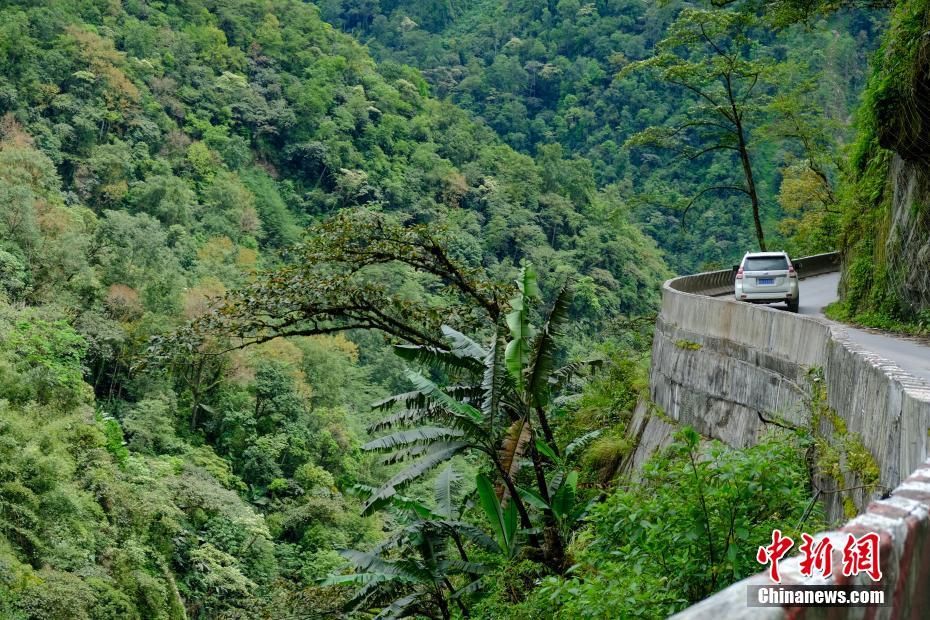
(764, 297)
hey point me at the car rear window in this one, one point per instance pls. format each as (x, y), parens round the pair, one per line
(765, 263)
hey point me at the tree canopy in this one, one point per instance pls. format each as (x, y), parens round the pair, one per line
(345, 307)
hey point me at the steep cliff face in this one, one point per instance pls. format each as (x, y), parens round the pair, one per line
(907, 247)
(886, 238)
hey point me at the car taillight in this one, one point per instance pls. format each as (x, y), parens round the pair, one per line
(739, 274)
(791, 272)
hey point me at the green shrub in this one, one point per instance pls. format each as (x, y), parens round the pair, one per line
(691, 527)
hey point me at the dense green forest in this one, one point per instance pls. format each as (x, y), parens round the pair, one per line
(548, 77)
(343, 309)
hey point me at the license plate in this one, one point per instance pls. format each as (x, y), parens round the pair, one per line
(765, 280)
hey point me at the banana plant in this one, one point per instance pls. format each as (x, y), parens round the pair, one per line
(423, 569)
(530, 353)
(432, 424)
(564, 502)
(503, 520)
(497, 403)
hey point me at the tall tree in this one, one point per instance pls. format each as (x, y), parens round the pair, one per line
(337, 282)
(710, 55)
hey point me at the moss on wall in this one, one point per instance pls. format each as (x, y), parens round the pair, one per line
(839, 453)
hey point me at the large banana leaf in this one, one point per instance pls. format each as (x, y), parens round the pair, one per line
(457, 567)
(471, 532)
(436, 523)
(493, 382)
(415, 399)
(400, 607)
(563, 500)
(446, 486)
(546, 450)
(404, 454)
(437, 358)
(418, 435)
(404, 417)
(503, 521)
(413, 507)
(436, 413)
(462, 345)
(467, 589)
(533, 498)
(543, 349)
(359, 578)
(433, 455)
(375, 564)
(371, 585)
(433, 391)
(517, 353)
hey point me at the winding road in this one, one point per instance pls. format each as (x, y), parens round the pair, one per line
(911, 354)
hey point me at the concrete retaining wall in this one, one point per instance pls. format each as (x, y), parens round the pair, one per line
(728, 369)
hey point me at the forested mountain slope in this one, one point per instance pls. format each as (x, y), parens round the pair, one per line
(548, 77)
(293, 117)
(176, 177)
(154, 155)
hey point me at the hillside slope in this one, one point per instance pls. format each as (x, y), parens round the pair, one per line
(546, 77)
(153, 156)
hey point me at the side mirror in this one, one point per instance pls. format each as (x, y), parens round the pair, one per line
(735, 268)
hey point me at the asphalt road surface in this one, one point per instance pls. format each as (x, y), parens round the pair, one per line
(911, 354)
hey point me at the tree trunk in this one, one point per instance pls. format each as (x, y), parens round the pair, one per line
(554, 549)
(196, 381)
(442, 604)
(458, 601)
(514, 495)
(547, 430)
(750, 179)
(518, 502)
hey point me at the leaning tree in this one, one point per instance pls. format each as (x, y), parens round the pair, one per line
(500, 383)
(711, 57)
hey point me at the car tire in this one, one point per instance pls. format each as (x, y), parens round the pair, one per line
(794, 304)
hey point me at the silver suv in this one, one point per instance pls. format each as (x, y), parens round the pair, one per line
(767, 277)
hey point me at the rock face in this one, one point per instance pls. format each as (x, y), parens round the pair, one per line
(886, 204)
(902, 114)
(907, 248)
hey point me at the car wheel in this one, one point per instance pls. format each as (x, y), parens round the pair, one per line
(793, 304)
